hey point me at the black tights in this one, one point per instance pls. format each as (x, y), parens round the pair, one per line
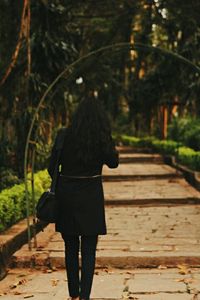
(88, 254)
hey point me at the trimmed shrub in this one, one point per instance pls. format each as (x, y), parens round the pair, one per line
(189, 157)
(12, 200)
(186, 130)
(184, 155)
(161, 146)
(8, 178)
(165, 147)
(129, 140)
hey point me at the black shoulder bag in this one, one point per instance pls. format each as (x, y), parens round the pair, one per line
(46, 206)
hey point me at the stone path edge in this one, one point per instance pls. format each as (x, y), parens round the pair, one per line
(139, 177)
(152, 201)
(193, 177)
(13, 239)
(52, 260)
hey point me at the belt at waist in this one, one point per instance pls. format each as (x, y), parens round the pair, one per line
(71, 176)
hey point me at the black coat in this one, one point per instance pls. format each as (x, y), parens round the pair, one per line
(80, 202)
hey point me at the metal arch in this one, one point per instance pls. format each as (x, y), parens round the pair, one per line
(114, 48)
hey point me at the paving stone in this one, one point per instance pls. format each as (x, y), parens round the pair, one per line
(194, 285)
(151, 189)
(107, 286)
(154, 283)
(139, 157)
(164, 296)
(140, 169)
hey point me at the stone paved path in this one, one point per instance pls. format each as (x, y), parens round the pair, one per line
(136, 170)
(140, 157)
(153, 220)
(138, 284)
(137, 237)
(150, 191)
(150, 221)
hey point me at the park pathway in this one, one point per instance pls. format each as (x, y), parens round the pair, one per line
(152, 249)
(152, 214)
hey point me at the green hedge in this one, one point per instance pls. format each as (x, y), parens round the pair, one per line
(184, 155)
(165, 147)
(189, 157)
(12, 200)
(186, 130)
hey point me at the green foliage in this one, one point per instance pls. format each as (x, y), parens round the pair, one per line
(8, 178)
(184, 155)
(129, 140)
(12, 200)
(122, 124)
(187, 131)
(165, 146)
(139, 142)
(43, 152)
(161, 146)
(189, 157)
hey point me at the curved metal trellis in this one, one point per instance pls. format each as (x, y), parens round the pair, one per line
(69, 72)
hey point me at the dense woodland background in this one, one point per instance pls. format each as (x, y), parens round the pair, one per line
(141, 90)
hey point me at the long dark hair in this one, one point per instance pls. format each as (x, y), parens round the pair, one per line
(90, 129)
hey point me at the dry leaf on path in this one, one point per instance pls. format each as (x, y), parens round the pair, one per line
(183, 269)
(22, 281)
(47, 271)
(17, 293)
(186, 280)
(54, 282)
(128, 272)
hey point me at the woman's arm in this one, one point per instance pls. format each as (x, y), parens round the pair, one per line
(58, 144)
(53, 158)
(111, 157)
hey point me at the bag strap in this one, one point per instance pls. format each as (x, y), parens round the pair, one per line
(59, 146)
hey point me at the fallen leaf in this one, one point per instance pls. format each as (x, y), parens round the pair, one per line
(17, 293)
(22, 281)
(54, 282)
(186, 280)
(183, 269)
(128, 272)
(105, 270)
(48, 271)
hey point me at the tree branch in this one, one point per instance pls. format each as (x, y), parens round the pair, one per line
(18, 46)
